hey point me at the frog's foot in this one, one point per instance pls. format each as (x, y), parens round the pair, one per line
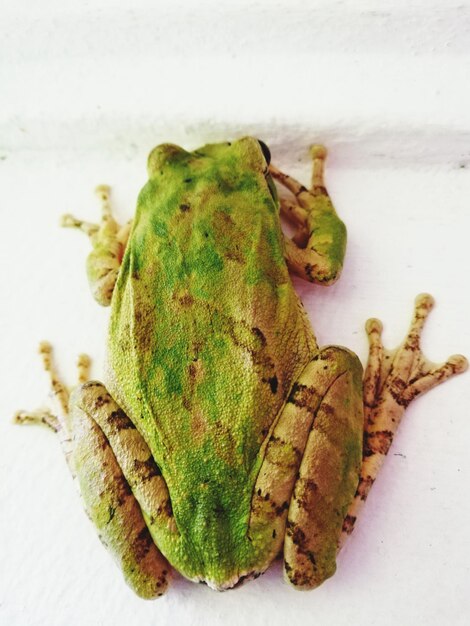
(109, 241)
(310, 469)
(55, 417)
(316, 251)
(393, 378)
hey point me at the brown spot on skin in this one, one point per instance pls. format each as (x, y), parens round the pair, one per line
(298, 537)
(227, 219)
(122, 489)
(147, 469)
(119, 420)
(396, 389)
(300, 579)
(364, 486)
(348, 524)
(186, 300)
(327, 409)
(198, 424)
(302, 396)
(279, 510)
(273, 383)
(101, 401)
(185, 208)
(309, 269)
(378, 442)
(195, 375)
(142, 544)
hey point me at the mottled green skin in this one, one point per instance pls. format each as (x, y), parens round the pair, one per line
(207, 337)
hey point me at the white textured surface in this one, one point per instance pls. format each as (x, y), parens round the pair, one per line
(86, 90)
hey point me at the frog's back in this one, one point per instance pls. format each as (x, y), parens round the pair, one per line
(207, 335)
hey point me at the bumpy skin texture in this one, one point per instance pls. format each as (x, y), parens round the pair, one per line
(225, 434)
(207, 338)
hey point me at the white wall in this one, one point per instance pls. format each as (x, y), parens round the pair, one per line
(86, 89)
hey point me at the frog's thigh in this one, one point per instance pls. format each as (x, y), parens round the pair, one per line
(311, 468)
(108, 496)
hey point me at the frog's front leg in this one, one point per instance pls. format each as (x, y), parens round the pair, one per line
(316, 251)
(109, 241)
(121, 486)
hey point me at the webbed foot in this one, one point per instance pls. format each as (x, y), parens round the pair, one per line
(393, 378)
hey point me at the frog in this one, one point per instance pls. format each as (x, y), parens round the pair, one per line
(225, 436)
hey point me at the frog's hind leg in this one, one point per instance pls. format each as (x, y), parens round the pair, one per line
(109, 241)
(110, 488)
(310, 470)
(316, 251)
(108, 496)
(393, 378)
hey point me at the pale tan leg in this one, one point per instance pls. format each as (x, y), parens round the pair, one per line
(392, 380)
(109, 241)
(108, 497)
(310, 469)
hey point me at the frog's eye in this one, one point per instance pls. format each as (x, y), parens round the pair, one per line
(265, 151)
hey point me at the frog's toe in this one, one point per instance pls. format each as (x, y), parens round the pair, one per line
(398, 376)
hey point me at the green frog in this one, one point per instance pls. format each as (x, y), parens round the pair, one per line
(225, 436)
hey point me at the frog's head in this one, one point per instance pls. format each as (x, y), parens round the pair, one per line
(253, 153)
